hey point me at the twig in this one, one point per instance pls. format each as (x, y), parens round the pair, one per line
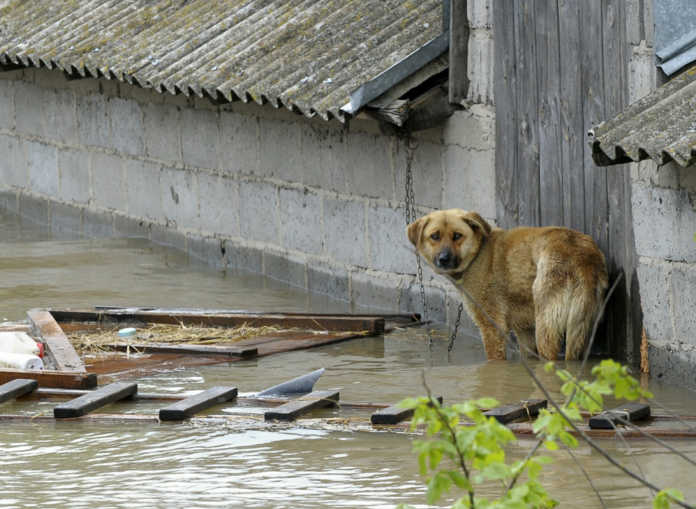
(585, 473)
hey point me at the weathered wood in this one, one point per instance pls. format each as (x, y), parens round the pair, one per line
(506, 115)
(58, 349)
(549, 123)
(629, 412)
(96, 399)
(17, 388)
(185, 349)
(47, 378)
(292, 410)
(458, 52)
(393, 414)
(371, 324)
(508, 413)
(191, 405)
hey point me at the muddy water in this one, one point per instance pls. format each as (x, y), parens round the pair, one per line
(194, 465)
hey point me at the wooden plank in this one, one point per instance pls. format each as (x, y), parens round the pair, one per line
(189, 406)
(549, 123)
(528, 106)
(17, 388)
(458, 52)
(58, 349)
(393, 414)
(508, 413)
(292, 410)
(47, 378)
(184, 349)
(506, 117)
(96, 399)
(371, 324)
(631, 412)
(571, 37)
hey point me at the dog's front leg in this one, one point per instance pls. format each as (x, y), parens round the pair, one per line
(493, 341)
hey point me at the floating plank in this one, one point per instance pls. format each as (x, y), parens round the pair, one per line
(48, 378)
(508, 413)
(96, 399)
(370, 324)
(292, 410)
(58, 349)
(244, 352)
(17, 388)
(393, 414)
(631, 412)
(189, 406)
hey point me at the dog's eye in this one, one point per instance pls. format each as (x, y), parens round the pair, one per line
(435, 236)
(456, 236)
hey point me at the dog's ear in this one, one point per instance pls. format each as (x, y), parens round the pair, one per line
(415, 230)
(476, 222)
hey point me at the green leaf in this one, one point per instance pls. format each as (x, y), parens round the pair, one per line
(487, 403)
(549, 366)
(439, 484)
(663, 498)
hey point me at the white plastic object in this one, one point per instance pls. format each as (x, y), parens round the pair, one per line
(20, 361)
(18, 342)
(127, 332)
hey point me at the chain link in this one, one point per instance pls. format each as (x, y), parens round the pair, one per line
(410, 214)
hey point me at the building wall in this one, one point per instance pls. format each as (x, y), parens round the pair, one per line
(664, 221)
(316, 204)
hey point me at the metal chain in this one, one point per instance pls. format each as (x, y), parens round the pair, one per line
(410, 214)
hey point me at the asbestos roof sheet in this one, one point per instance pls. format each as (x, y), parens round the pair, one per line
(306, 55)
(661, 126)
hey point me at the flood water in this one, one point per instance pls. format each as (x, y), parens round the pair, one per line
(207, 465)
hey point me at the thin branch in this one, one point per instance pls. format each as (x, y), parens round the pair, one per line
(585, 473)
(526, 459)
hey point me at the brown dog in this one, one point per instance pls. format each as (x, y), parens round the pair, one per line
(549, 280)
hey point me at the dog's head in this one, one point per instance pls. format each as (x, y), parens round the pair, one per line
(449, 239)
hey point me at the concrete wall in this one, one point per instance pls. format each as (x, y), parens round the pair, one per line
(316, 204)
(664, 221)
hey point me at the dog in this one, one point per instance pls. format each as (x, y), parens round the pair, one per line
(545, 284)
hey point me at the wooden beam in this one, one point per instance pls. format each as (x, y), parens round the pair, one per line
(292, 410)
(630, 412)
(508, 413)
(189, 406)
(458, 52)
(432, 113)
(393, 414)
(59, 350)
(17, 388)
(96, 399)
(57, 379)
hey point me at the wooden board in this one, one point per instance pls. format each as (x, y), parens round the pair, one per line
(17, 388)
(292, 410)
(393, 414)
(189, 406)
(508, 413)
(48, 378)
(96, 399)
(58, 349)
(630, 412)
(370, 324)
(184, 349)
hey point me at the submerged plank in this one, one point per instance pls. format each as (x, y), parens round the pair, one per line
(17, 388)
(96, 399)
(58, 349)
(292, 410)
(189, 406)
(243, 352)
(57, 379)
(630, 412)
(508, 413)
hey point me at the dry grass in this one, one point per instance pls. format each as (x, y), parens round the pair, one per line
(93, 343)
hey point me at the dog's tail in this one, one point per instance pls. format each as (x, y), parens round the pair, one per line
(584, 308)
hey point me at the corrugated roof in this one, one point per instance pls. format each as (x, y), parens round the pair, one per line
(660, 126)
(306, 55)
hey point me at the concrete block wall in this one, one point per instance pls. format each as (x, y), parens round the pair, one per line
(316, 204)
(664, 222)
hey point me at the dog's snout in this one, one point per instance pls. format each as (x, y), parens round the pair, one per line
(445, 259)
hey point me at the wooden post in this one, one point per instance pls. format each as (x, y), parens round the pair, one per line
(292, 410)
(103, 396)
(458, 52)
(189, 406)
(17, 388)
